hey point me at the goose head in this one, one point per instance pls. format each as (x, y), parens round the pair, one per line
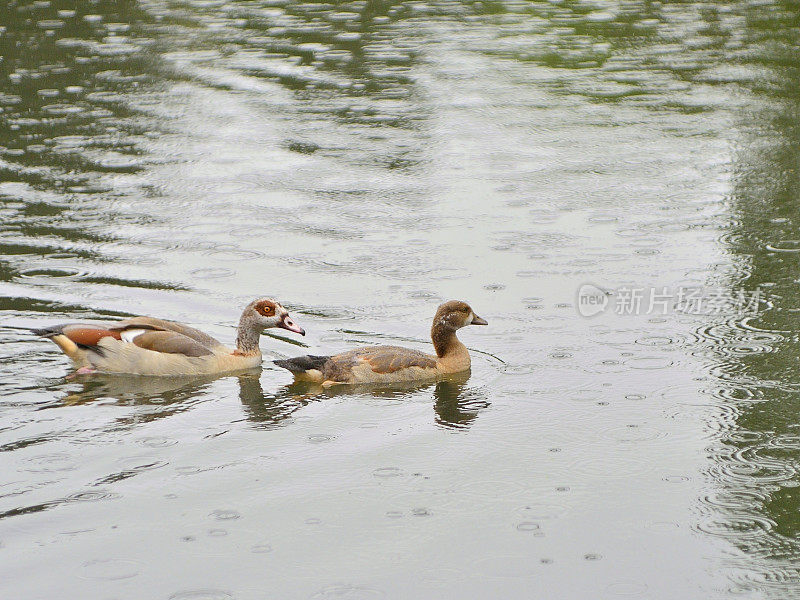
(266, 313)
(456, 314)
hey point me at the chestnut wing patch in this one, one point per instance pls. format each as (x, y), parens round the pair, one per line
(170, 342)
(87, 335)
(389, 359)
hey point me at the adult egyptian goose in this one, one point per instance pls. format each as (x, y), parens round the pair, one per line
(148, 346)
(385, 364)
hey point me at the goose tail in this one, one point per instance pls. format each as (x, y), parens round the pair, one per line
(303, 364)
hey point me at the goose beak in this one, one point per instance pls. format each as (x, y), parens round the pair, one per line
(287, 323)
(476, 320)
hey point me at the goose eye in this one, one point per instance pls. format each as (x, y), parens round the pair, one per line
(266, 310)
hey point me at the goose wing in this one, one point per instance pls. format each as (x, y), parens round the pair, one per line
(168, 342)
(355, 365)
(150, 323)
(146, 335)
(385, 359)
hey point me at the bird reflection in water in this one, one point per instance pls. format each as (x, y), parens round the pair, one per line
(455, 403)
(159, 397)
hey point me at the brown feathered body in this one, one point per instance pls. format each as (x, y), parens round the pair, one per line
(388, 364)
(150, 346)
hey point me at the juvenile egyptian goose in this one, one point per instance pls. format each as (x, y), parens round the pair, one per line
(385, 364)
(148, 346)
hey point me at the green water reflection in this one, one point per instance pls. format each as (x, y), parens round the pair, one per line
(756, 360)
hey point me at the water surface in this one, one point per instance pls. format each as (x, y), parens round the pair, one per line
(362, 162)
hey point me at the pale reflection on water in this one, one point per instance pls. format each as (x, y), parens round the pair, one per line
(455, 404)
(362, 162)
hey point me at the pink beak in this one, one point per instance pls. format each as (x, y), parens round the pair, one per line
(287, 323)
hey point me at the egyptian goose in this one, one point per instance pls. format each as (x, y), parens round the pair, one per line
(148, 346)
(386, 364)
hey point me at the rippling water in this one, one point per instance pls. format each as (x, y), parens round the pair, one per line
(362, 161)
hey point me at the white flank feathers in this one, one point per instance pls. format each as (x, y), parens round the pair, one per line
(130, 334)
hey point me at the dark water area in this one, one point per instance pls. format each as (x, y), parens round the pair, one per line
(363, 162)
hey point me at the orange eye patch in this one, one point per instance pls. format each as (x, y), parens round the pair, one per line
(265, 308)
